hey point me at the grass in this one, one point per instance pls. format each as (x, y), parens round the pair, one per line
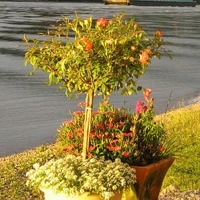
(184, 134)
(183, 127)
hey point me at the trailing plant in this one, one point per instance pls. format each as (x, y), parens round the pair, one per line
(74, 177)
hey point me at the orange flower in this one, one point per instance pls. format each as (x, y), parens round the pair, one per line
(88, 45)
(147, 93)
(113, 148)
(102, 22)
(82, 104)
(79, 134)
(69, 148)
(144, 57)
(158, 33)
(69, 134)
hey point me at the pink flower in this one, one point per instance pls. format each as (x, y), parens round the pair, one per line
(139, 106)
(114, 141)
(82, 104)
(92, 148)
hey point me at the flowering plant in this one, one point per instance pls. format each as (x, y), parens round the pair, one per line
(104, 56)
(137, 139)
(74, 177)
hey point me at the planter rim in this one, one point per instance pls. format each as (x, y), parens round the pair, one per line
(158, 162)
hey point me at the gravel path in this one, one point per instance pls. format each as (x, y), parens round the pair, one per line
(174, 193)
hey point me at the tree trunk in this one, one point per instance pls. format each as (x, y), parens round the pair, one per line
(87, 123)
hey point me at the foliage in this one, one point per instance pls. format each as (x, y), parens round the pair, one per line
(74, 176)
(136, 139)
(102, 58)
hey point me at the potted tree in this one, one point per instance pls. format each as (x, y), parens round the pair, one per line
(136, 138)
(101, 58)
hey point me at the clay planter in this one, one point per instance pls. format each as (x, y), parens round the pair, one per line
(150, 178)
(51, 195)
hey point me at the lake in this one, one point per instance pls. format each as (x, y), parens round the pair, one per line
(31, 112)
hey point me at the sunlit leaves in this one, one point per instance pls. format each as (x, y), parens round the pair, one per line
(102, 57)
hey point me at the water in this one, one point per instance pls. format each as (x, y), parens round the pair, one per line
(30, 112)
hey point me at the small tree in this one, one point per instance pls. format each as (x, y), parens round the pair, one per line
(102, 58)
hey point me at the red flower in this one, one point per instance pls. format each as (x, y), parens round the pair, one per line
(128, 134)
(92, 135)
(158, 33)
(110, 125)
(125, 154)
(100, 126)
(79, 112)
(100, 136)
(161, 148)
(145, 108)
(102, 22)
(69, 122)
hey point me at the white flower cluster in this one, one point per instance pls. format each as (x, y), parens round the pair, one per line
(73, 176)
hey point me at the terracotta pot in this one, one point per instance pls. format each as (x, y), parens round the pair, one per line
(51, 195)
(150, 178)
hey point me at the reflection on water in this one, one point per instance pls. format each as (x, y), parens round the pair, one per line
(30, 112)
